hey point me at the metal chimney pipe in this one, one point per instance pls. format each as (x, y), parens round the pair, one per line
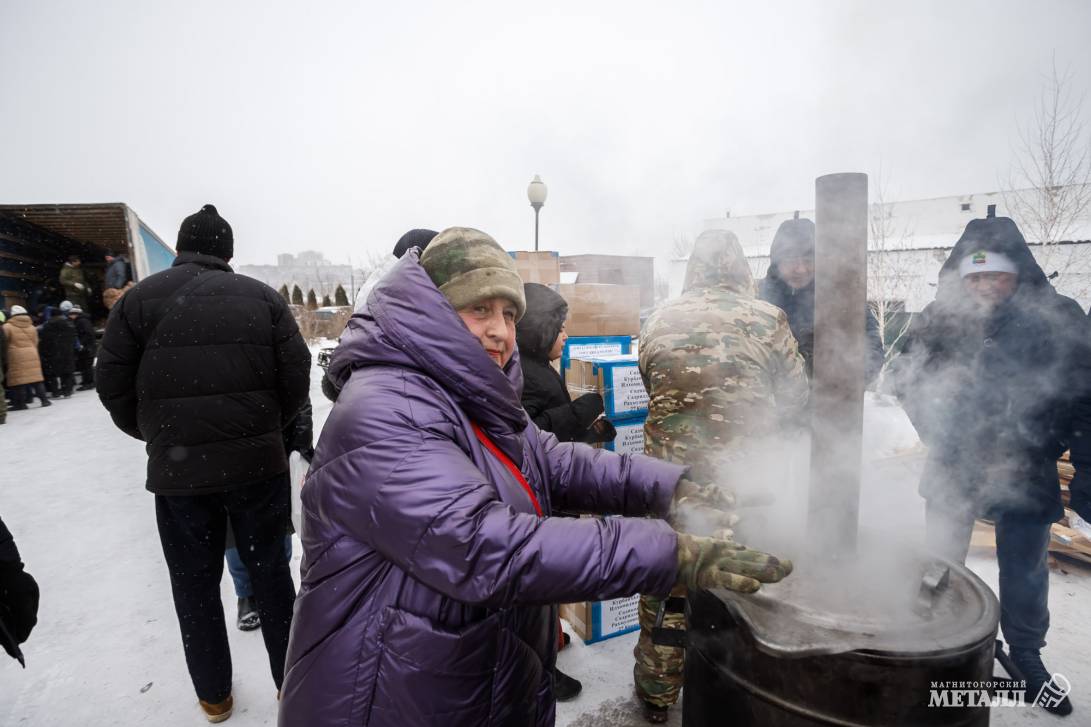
(837, 390)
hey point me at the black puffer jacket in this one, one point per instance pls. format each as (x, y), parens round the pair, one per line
(545, 396)
(57, 346)
(795, 238)
(211, 386)
(998, 397)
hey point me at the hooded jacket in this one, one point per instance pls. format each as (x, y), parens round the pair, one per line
(24, 364)
(795, 238)
(209, 382)
(545, 397)
(997, 397)
(720, 366)
(428, 573)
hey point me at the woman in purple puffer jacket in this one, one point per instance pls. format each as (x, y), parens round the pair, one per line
(431, 562)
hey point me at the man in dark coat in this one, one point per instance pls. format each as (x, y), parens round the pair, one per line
(789, 285)
(541, 337)
(207, 367)
(57, 348)
(995, 378)
(118, 273)
(88, 345)
(18, 597)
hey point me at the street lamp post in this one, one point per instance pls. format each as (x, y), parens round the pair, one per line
(536, 193)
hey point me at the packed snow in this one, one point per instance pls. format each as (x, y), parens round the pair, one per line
(107, 649)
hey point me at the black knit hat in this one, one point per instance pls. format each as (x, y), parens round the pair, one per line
(207, 233)
(414, 238)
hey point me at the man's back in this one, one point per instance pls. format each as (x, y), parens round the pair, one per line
(719, 364)
(206, 379)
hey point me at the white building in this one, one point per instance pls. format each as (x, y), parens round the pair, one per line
(909, 242)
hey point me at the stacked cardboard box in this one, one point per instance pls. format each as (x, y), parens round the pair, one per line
(538, 267)
(602, 310)
(602, 321)
(616, 378)
(597, 620)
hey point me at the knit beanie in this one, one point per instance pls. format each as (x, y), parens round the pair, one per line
(207, 233)
(66, 305)
(794, 238)
(414, 238)
(467, 266)
(18, 310)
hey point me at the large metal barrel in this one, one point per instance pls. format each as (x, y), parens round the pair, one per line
(769, 660)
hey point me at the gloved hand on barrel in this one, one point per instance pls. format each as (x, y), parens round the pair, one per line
(717, 563)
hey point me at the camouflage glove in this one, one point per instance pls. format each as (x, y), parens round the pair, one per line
(701, 508)
(709, 495)
(713, 563)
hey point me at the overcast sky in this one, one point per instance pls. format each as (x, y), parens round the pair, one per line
(339, 125)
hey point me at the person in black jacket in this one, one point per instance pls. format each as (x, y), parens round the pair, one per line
(57, 348)
(18, 598)
(789, 285)
(85, 355)
(995, 377)
(541, 338)
(207, 367)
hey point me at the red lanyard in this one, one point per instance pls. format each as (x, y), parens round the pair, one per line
(481, 437)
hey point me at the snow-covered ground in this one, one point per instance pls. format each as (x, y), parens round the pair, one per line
(107, 650)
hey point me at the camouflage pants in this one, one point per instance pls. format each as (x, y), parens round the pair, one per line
(658, 670)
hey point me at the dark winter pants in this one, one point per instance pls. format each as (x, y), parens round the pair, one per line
(85, 364)
(24, 394)
(1021, 552)
(191, 530)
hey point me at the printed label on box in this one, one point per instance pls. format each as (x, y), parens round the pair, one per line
(629, 392)
(630, 438)
(594, 350)
(617, 616)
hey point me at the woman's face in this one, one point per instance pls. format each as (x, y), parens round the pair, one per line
(492, 321)
(558, 345)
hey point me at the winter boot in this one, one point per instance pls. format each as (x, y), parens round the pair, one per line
(564, 686)
(654, 713)
(1029, 663)
(248, 615)
(46, 402)
(218, 712)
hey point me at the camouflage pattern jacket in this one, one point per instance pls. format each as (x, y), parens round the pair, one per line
(720, 365)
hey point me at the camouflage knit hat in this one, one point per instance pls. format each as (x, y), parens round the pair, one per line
(467, 266)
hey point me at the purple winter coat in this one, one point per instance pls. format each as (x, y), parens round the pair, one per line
(427, 577)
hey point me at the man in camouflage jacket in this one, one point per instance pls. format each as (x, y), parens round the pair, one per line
(721, 368)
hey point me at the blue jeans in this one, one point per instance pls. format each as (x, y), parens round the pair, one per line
(1021, 553)
(239, 573)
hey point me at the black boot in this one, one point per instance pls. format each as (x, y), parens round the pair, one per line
(248, 615)
(1029, 663)
(654, 713)
(564, 686)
